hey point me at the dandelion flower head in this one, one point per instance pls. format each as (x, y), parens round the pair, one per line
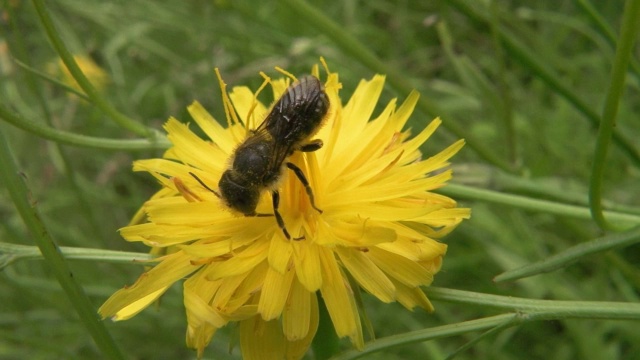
(377, 231)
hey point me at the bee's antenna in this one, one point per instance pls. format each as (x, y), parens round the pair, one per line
(203, 184)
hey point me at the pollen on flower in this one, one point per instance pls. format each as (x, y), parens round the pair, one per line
(351, 199)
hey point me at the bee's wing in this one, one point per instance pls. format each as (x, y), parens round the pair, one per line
(278, 151)
(288, 120)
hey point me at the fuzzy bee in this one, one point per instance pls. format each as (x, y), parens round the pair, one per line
(260, 160)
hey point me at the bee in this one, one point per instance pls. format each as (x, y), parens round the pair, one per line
(259, 162)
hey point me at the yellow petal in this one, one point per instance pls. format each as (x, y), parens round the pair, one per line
(386, 191)
(192, 150)
(353, 232)
(400, 268)
(199, 337)
(234, 301)
(414, 249)
(192, 213)
(212, 128)
(200, 308)
(280, 253)
(296, 315)
(411, 297)
(414, 144)
(244, 102)
(400, 117)
(360, 107)
(367, 274)
(307, 263)
(161, 166)
(444, 217)
(383, 212)
(297, 348)
(135, 307)
(338, 297)
(261, 340)
(242, 262)
(274, 294)
(172, 268)
(357, 151)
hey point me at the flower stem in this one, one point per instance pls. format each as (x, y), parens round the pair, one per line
(69, 138)
(9, 253)
(26, 206)
(535, 309)
(572, 254)
(527, 203)
(522, 311)
(628, 35)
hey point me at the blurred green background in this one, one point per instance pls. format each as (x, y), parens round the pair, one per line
(520, 80)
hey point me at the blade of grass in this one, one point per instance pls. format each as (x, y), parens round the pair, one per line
(52, 80)
(526, 310)
(527, 203)
(495, 330)
(573, 254)
(68, 166)
(628, 35)
(10, 253)
(69, 138)
(540, 309)
(427, 334)
(19, 193)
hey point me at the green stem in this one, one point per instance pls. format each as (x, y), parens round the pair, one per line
(82, 80)
(490, 332)
(52, 80)
(9, 253)
(572, 254)
(11, 178)
(428, 334)
(80, 140)
(352, 46)
(628, 35)
(523, 311)
(526, 203)
(71, 177)
(540, 309)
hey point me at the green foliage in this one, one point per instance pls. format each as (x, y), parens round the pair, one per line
(525, 83)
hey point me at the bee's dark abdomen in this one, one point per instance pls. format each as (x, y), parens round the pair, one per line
(300, 111)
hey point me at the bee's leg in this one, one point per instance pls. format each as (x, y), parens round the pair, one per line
(311, 146)
(275, 196)
(305, 183)
(260, 215)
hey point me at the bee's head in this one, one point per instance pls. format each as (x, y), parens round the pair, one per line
(242, 197)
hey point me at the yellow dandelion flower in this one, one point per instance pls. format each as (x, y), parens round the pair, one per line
(377, 225)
